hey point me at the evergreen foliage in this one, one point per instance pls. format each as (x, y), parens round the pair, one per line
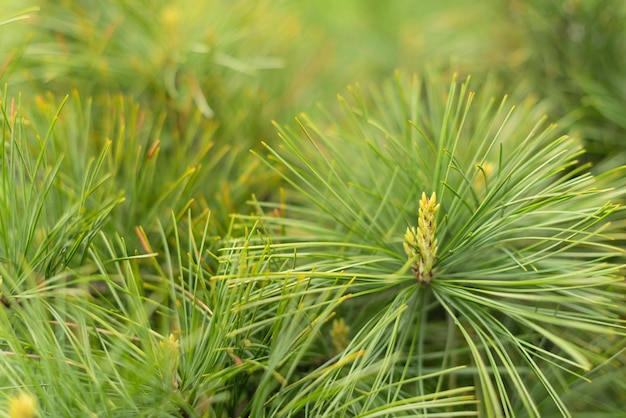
(426, 245)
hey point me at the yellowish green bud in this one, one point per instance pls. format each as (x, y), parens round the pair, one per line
(24, 405)
(170, 353)
(420, 244)
(339, 335)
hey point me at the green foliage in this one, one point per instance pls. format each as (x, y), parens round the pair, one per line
(420, 248)
(156, 172)
(573, 54)
(525, 249)
(47, 219)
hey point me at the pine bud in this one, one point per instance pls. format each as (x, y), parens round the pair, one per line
(24, 405)
(339, 335)
(420, 244)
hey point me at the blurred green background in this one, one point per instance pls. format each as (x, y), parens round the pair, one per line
(203, 81)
